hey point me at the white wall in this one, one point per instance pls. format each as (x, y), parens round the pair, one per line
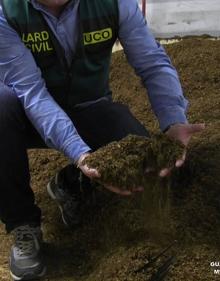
(169, 18)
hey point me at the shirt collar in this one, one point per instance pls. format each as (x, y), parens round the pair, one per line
(40, 6)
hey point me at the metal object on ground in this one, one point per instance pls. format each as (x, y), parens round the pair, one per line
(163, 269)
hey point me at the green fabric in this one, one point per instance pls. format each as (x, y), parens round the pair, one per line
(87, 77)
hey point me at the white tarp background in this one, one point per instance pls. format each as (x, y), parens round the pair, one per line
(170, 18)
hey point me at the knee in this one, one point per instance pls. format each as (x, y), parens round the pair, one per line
(10, 106)
(8, 99)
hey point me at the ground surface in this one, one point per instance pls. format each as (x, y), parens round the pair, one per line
(118, 239)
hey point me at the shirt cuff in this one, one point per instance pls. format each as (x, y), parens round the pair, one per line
(75, 149)
(170, 117)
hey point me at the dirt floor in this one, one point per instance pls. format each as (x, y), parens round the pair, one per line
(119, 236)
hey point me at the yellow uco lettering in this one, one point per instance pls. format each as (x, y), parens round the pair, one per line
(37, 41)
(98, 36)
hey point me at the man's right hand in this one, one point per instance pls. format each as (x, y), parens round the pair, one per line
(94, 174)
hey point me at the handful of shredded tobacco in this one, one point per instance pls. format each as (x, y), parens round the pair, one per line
(123, 163)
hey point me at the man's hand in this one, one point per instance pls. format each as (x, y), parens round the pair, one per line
(94, 174)
(90, 173)
(182, 133)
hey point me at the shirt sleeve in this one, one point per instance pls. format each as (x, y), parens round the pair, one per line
(19, 71)
(152, 64)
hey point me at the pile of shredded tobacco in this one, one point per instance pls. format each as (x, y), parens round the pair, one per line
(124, 163)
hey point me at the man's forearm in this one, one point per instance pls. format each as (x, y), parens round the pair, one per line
(152, 64)
(18, 70)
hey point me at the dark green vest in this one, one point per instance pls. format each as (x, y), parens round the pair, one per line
(88, 76)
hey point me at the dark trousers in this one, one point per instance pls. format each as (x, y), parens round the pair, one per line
(97, 124)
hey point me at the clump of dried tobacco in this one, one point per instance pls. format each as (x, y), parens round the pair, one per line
(123, 163)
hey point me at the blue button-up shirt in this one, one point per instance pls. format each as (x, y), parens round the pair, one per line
(20, 73)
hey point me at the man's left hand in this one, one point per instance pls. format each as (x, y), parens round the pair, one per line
(182, 133)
